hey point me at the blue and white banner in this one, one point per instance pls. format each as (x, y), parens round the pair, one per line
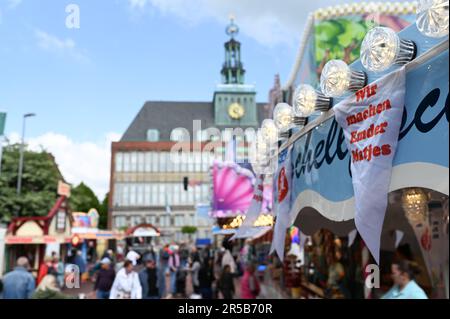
(371, 120)
(282, 201)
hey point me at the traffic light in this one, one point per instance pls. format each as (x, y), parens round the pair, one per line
(185, 183)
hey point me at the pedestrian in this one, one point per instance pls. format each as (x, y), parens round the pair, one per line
(228, 260)
(126, 284)
(194, 268)
(79, 261)
(46, 268)
(49, 289)
(174, 266)
(163, 269)
(109, 254)
(206, 278)
(105, 279)
(226, 283)
(58, 265)
(250, 288)
(405, 287)
(148, 278)
(19, 283)
(133, 257)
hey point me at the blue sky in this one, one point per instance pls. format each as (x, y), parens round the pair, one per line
(87, 84)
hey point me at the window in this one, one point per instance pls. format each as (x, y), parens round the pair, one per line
(152, 135)
(183, 197)
(133, 189)
(148, 162)
(140, 161)
(126, 162)
(118, 195)
(154, 194)
(179, 135)
(154, 162)
(147, 195)
(191, 194)
(176, 194)
(162, 195)
(133, 166)
(119, 162)
(126, 195)
(191, 164)
(162, 162)
(120, 221)
(140, 195)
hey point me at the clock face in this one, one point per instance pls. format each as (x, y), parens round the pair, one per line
(236, 111)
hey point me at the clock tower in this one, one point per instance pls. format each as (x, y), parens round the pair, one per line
(234, 102)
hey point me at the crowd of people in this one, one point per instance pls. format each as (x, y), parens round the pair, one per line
(174, 271)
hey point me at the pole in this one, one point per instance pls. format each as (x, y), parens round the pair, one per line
(19, 176)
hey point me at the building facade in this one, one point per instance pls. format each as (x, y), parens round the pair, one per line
(152, 181)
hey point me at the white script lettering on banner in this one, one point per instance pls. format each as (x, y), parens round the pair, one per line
(253, 211)
(282, 201)
(371, 121)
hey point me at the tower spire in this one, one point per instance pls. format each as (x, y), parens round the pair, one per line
(232, 70)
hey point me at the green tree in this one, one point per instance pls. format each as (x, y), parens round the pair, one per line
(82, 199)
(39, 183)
(103, 212)
(190, 230)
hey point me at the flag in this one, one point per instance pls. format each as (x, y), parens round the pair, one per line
(282, 201)
(371, 120)
(253, 211)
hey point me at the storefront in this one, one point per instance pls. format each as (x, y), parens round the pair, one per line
(416, 222)
(36, 237)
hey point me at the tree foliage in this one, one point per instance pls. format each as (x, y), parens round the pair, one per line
(39, 183)
(189, 230)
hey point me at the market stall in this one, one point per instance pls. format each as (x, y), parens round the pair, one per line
(36, 237)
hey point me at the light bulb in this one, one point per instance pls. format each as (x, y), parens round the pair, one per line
(269, 131)
(382, 48)
(307, 100)
(337, 78)
(283, 116)
(432, 18)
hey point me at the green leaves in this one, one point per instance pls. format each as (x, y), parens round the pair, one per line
(39, 187)
(39, 183)
(339, 39)
(189, 230)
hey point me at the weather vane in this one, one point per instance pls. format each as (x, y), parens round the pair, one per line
(232, 29)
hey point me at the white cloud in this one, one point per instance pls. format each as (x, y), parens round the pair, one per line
(87, 162)
(270, 22)
(54, 44)
(14, 3)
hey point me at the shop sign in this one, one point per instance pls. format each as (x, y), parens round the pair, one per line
(63, 189)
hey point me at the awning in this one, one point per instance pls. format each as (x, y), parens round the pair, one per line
(254, 232)
(203, 242)
(220, 231)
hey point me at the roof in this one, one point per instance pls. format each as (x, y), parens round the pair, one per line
(168, 115)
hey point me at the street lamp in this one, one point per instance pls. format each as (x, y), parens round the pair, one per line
(19, 176)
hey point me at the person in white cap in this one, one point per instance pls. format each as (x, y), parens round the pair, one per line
(133, 257)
